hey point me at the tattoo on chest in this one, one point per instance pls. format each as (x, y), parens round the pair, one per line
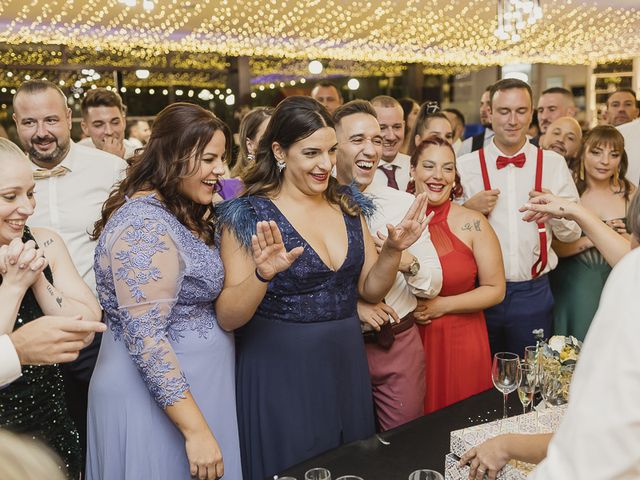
(470, 227)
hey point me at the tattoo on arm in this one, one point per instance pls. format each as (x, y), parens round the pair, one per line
(47, 242)
(53, 294)
(476, 225)
(467, 227)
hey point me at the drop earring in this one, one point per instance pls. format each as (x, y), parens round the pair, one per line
(281, 164)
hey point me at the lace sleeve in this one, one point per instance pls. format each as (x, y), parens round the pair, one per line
(147, 272)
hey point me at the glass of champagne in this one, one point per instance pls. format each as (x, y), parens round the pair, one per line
(505, 374)
(527, 384)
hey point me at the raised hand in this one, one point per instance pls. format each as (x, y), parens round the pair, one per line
(269, 253)
(409, 230)
(546, 206)
(21, 264)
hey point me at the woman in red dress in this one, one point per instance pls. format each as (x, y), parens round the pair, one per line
(453, 329)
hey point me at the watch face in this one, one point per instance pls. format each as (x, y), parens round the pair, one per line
(414, 268)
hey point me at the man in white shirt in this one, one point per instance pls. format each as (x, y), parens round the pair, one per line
(513, 167)
(139, 133)
(44, 341)
(103, 122)
(393, 170)
(394, 351)
(631, 133)
(476, 142)
(72, 183)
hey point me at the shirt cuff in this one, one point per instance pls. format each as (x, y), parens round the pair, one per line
(9, 362)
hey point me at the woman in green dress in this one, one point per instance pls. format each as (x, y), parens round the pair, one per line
(577, 281)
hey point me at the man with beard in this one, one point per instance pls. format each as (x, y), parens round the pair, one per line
(554, 103)
(483, 139)
(622, 107)
(393, 171)
(72, 183)
(563, 136)
(394, 349)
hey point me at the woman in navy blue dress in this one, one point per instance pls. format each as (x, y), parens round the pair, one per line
(296, 261)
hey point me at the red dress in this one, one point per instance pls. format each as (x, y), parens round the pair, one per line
(457, 354)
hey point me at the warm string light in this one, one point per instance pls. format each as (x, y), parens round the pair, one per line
(444, 32)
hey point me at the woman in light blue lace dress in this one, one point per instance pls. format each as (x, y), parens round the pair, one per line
(162, 397)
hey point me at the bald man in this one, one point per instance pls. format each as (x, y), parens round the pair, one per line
(563, 136)
(554, 103)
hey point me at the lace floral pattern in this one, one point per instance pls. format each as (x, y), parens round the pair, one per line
(157, 284)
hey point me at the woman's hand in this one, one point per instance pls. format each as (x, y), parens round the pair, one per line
(546, 206)
(204, 455)
(430, 308)
(618, 225)
(376, 314)
(21, 264)
(488, 458)
(269, 253)
(409, 230)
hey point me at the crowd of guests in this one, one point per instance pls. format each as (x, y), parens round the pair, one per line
(353, 268)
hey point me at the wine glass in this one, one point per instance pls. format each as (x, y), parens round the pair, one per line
(317, 474)
(425, 475)
(551, 385)
(505, 374)
(527, 384)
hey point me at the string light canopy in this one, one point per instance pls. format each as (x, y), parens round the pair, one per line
(514, 16)
(444, 32)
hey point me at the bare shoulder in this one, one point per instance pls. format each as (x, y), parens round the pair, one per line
(467, 220)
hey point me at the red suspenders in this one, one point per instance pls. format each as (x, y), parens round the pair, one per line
(541, 263)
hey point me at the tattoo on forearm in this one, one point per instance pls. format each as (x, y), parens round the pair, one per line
(47, 242)
(53, 294)
(59, 300)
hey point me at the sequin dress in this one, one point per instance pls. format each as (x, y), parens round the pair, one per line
(157, 284)
(302, 373)
(35, 403)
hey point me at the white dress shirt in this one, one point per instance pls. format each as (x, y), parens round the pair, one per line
(9, 362)
(129, 146)
(70, 204)
(599, 437)
(631, 133)
(403, 175)
(467, 144)
(391, 207)
(519, 240)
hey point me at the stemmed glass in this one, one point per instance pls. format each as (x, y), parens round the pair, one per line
(527, 384)
(505, 374)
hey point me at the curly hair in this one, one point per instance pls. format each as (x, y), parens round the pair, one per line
(180, 134)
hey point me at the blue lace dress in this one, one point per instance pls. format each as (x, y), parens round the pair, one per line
(157, 284)
(303, 382)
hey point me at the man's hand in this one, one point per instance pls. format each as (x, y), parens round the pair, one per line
(52, 339)
(484, 201)
(112, 145)
(376, 314)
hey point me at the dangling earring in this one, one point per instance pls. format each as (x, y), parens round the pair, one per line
(616, 178)
(281, 164)
(251, 157)
(581, 169)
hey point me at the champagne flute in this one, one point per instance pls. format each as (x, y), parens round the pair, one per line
(527, 385)
(505, 374)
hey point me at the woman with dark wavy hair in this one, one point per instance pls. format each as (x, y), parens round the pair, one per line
(599, 170)
(162, 396)
(297, 260)
(453, 330)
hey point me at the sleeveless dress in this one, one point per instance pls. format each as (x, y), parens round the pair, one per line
(157, 284)
(35, 403)
(303, 384)
(576, 284)
(457, 354)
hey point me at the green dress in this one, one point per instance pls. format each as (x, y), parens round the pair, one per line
(35, 404)
(576, 284)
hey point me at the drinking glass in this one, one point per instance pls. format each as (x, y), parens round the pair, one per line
(425, 475)
(551, 385)
(527, 384)
(349, 477)
(317, 474)
(505, 374)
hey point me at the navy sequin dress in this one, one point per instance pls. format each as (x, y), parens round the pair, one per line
(303, 384)
(35, 403)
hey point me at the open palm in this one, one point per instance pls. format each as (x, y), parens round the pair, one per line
(409, 230)
(269, 253)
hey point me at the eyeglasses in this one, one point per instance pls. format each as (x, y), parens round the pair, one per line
(431, 107)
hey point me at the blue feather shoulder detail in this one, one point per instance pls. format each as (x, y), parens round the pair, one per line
(363, 201)
(239, 216)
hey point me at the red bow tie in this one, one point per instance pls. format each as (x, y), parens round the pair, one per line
(518, 161)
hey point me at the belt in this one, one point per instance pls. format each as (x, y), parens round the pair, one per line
(386, 336)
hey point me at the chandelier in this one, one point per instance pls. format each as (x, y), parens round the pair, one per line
(146, 4)
(515, 16)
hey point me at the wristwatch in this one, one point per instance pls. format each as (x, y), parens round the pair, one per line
(414, 267)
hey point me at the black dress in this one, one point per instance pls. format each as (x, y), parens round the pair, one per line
(35, 403)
